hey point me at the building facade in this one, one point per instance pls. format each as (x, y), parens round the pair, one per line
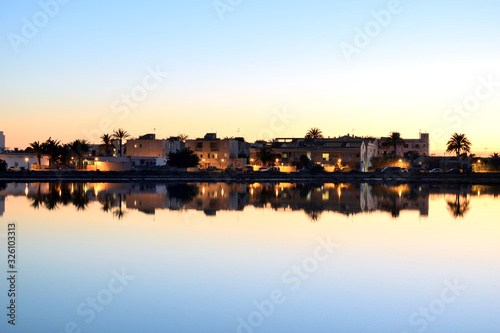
(149, 151)
(420, 145)
(331, 153)
(220, 153)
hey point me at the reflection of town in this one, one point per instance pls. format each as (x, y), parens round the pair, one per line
(347, 199)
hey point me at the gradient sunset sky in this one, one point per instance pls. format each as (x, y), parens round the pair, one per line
(233, 75)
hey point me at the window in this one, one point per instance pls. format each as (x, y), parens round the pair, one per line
(199, 145)
(214, 155)
(326, 156)
(225, 155)
(135, 146)
(285, 155)
(213, 146)
(140, 146)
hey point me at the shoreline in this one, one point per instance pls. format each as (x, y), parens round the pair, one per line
(255, 177)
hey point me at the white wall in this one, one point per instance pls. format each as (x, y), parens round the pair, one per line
(2, 141)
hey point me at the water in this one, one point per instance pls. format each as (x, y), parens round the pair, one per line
(251, 258)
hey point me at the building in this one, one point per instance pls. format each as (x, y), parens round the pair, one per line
(331, 153)
(23, 160)
(2, 141)
(420, 145)
(220, 153)
(148, 151)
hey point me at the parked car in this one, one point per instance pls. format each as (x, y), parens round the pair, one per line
(404, 170)
(212, 168)
(248, 168)
(273, 169)
(454, 170)
(391, 169)
(262, 169)
(436, 170)
(304, 170)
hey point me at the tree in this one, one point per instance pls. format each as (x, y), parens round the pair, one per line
(305, 161)
(314, 133)
(494, 155)
(36, 148)
(53, 149)
(458, 144)
(3, 165)
(121, 134)
(412, 155)
(183, 137)
(185, 158)
(394, 140)
(80, 148)
(265, 155)
(106, 146)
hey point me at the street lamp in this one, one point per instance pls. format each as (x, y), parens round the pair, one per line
(26, 160)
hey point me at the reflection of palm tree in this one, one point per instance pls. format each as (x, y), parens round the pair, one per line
(313, 214)
(108, 201)
(37, 200)
(458, 208)
(119, 213)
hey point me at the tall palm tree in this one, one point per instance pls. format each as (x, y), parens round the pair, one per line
(80, 148)
(314, 133)
(458, 144)
(106, 146)
(52, 148)
(458, 208)
(395, 140)
(36, 148)
(265, 155)
(494, 155)
(121, 134)
(183, 137)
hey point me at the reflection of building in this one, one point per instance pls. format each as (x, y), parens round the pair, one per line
(2, 205)
(346, 150)
(420, 145)
(220, 153)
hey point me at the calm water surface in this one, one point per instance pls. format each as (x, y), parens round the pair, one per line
(251, 258)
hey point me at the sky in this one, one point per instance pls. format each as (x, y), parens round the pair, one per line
(77, 69)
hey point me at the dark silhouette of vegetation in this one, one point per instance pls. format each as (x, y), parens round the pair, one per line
(80, 148)
(3, 165)
(458, 144)
(305, 161)
(106, 147)
(395, 140)
(314, 133)
(185, 158)
(266, 155)
(36, 148)
(121, 134)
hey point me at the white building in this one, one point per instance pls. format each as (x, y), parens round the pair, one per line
(19, 159)
(2, 141)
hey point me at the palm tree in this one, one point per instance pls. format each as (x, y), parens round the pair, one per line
(265, 155)
(52, 148)
(36, 148)
(80, 148)
(494, 155)
(183, 137)
(458, 144)
(314, 133)
(121, 134)
(394, 140)
(107, 145)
